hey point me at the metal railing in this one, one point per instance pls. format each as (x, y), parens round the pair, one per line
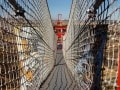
(90, 45)
(27, 44)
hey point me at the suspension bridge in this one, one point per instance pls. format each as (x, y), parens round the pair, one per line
(90, 54)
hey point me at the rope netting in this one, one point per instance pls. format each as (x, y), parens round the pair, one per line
(111, 68)
(27, 44)
(91, 44)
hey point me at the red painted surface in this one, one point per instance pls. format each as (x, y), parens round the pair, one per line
(59, 35)
(118, 81)
(57, 27)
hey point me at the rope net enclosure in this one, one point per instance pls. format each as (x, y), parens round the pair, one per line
(91, 45)
(27, 44)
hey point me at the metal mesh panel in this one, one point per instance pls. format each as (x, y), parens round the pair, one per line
(27, 42)
(91, 43)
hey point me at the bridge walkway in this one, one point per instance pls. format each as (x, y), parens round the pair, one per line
(60, 78)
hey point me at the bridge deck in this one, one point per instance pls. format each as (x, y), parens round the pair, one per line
(60, 77)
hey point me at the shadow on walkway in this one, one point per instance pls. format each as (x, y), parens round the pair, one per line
(60, 78)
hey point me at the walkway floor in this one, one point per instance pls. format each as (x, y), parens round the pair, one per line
(60, 78)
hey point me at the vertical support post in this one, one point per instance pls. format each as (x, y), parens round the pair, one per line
(118, 78)
(102, 35)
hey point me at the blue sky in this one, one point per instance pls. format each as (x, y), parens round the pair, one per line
(59, 7)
